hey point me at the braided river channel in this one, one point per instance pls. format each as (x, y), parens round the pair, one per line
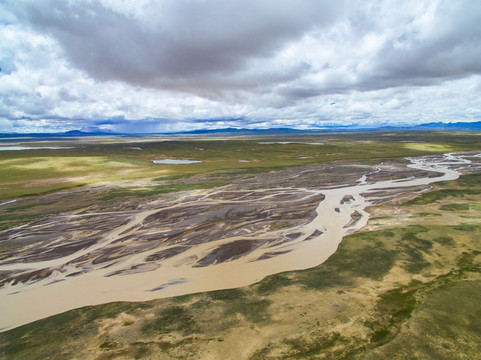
(340, 211)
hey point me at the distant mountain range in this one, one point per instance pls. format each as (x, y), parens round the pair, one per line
(71, 133)
(460, 126)
(437, 126)
(242, 131)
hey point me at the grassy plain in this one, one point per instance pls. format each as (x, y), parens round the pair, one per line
(113, 160)
(406, 287)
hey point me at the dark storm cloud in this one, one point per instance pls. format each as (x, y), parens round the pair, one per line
(177, 43)
(209, 47)
(449, 48)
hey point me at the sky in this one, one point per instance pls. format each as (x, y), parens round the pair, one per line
(142, 66)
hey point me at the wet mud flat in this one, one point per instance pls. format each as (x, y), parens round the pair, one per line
(57, 237)
(77, 244)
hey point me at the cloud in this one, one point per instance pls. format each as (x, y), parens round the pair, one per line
(440, 43)
(185, 64)
(181, 44)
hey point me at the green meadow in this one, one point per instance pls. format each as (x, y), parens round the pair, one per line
(113, 160)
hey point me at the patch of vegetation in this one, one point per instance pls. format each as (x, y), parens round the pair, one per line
(398, 303)
(424, 214)
(272, 284)
(430, 147)
(379, 336)
(416, 261)
(155, 190)
(381, 218)
(414, 249)
(28, 206)
(236, 301)
(449, 316)
(172, 177)
(10, 221)
(229, 294)
(46, 336)
(300, 348)
(350, 261)
(457, 207)
(173, 318)
(183, 298)
(467, 227)
(445, 240)
(108, 345)
(247, 171)
(469, 180)
(253, 309)
(465, 186)
(437, 195)
(277, 225)
(466, 259)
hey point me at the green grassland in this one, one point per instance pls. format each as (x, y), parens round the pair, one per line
(409, 288)
(112, 160)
